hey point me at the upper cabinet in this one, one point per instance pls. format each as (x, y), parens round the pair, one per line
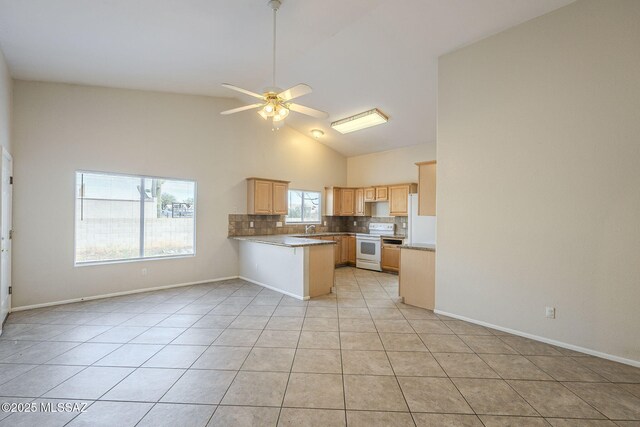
(382, 194)
(362, 208)
(399, 198)
(344, 201)
(369, 194)
(427, 188)
(347, 202)
(267, 197)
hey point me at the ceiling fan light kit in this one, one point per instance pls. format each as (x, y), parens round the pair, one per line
(275, 103)
(360, 121)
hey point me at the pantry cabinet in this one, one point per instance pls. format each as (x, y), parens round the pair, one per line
(267, 197)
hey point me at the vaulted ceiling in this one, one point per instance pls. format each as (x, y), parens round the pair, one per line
(356, 54)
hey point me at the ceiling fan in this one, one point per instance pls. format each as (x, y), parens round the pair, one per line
(275, 102)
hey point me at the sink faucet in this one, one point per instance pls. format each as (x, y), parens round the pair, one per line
(309, 227)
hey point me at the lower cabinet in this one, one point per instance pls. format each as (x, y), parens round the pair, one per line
(338, 249)
(352, 249)
(390, 257)
(418, 277)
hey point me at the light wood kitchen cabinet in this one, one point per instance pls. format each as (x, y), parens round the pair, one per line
(399, 198)
(332, 201)
(267, 197)
(427, 188)
(382, 194)
(280, 198)
(352, 249)
(370, 194)
(344, 254)
(347, 201)
(338, 249)
(361, 208)
(417, 277)
(390, 257)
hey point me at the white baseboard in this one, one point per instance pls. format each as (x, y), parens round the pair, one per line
(116, 294)
(612, 357)
(274, 288)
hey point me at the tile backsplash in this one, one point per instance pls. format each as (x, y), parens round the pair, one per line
(239, 224)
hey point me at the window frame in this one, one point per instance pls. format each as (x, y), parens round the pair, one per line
(286, 218)
(137, 259)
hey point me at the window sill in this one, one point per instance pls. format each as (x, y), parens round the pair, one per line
(130, 260)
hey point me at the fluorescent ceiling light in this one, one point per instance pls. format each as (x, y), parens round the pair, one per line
(360, 121)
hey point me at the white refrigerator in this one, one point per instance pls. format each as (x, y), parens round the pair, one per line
(422, 229)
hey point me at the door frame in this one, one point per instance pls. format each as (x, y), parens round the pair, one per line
(6, 155)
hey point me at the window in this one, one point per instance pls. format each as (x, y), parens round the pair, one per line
(304, 207)
(128, 217)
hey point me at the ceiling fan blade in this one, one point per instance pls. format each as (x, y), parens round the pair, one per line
(245, 91)
(246, 107)
(295, 92)
(308, 111)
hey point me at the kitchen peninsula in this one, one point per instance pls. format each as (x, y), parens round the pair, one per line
(300, 267)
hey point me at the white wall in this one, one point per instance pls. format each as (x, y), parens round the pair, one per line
(388, 167)
(60, 128)
(539, 178)
(5, 104)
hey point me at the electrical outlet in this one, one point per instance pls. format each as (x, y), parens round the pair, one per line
(550, 313)
(250, 224)
(404, 225)
(144, 271)
(325, 223)
(279, 224)
(355, 223)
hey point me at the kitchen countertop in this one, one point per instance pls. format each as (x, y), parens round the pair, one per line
(420, 247)
(288, 240)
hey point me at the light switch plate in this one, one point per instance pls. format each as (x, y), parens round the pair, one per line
(250, 224)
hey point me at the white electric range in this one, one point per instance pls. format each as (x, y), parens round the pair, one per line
(369, 247)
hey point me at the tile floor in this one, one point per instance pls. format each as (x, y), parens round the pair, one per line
(232, 353)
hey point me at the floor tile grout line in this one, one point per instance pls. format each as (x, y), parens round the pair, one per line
(336, 303)
(244, 361)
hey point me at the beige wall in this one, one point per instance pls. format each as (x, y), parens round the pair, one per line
(5, 104)
(539, 178)
(61, 128)
(388, 167)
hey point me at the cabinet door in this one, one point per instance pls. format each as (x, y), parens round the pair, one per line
(344, 254)
(370, 194)
(280, 198)
(263, 197)
(347, 201)
(382, 194)
(352, 249)
(337, 201)
(427, 188)
(390, 257)
(338, 249)
(399, 200)
(360, 202)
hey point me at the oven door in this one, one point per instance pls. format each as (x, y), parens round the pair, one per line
(368, 250)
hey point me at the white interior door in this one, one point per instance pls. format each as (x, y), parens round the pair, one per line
(6, 186)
